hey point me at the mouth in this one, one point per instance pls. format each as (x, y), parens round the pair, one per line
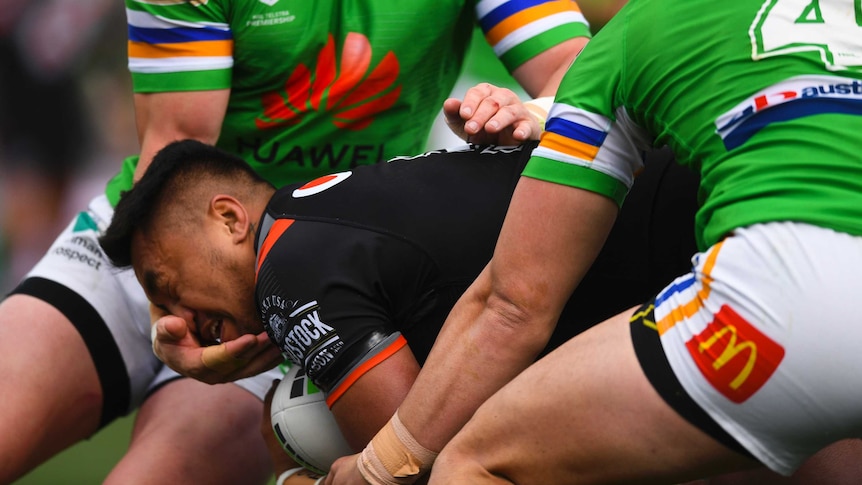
(211, 332)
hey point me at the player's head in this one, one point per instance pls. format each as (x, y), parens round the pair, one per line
(188, 228)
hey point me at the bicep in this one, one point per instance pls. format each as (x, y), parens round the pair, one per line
(541, 75)
(166, 117)
(369, 403)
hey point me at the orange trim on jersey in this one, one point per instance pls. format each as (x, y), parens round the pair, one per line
(569, 146)
(203, 48)
(366, 366)
(526, 16)
(275, 232)
(688, 309)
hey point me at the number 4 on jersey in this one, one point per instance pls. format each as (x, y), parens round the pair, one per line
(831, 27)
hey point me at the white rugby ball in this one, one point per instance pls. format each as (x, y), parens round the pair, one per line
(304, 424)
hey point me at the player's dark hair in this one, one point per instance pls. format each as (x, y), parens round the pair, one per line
(177, 167)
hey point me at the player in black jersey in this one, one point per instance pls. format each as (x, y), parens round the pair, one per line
(353, 274)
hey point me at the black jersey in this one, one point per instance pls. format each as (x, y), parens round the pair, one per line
(355, 265)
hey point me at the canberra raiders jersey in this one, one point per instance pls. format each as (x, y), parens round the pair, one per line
(765, 101)
(355, 265)
(324, 86)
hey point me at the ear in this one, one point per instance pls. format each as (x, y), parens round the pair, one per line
(232, 216)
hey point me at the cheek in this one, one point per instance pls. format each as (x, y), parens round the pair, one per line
(234, 330)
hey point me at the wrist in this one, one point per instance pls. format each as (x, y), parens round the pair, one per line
(394, 457)
(539, 108)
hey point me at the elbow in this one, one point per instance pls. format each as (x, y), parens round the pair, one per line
(522, 318)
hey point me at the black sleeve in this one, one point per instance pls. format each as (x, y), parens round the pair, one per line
(333, 295)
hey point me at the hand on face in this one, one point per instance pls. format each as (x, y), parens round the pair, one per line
(179, 348)
(491, 115)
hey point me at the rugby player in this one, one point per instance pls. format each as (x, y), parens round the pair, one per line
(750, 358)
(353, 274)
(297, 90)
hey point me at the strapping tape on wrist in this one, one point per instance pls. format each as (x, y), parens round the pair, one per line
(539, 108)
(394, 457)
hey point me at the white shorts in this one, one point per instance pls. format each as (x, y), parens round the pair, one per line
(764, 335)
(110, 311)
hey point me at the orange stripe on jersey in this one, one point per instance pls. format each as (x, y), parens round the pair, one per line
(275, 232)
(688, 309)
(366, 366)
(569, 146)
(524, 17)
(204, 48)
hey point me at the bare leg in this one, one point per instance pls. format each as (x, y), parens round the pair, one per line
(583, 414)
(838, 464)
(50, 396)
(191, 432)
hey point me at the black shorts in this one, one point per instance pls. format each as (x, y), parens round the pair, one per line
(655, 365)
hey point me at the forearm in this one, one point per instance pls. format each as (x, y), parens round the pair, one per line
(483, 345)
(508, 314)
(162, 118)
(501, 323)
(479, 349)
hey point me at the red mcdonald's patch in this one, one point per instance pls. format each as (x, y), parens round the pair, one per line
(736, 358)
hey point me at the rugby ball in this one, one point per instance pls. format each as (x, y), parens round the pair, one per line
(304, 425)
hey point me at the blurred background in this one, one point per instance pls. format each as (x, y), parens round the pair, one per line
(66, 118)
(67, 121)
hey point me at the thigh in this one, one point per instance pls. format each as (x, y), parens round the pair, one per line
(50, 397)
(837, 464)
(585, 414)
(763, 337)
(106, 305)
(191, 432)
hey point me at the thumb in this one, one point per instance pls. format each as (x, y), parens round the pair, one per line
(170, 328)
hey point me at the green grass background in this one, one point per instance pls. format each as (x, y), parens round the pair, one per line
(87, 462)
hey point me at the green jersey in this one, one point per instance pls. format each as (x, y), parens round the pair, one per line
(764, 100)
(317, 87)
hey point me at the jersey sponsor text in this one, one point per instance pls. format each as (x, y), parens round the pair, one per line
(306, 332)
(791, 99)
(327, 155)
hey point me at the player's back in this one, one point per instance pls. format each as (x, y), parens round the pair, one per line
(450, 206)
(403, 240)
(763, 97)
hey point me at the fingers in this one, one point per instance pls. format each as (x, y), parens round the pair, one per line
(169, 331)
(452, 115)
(488, 107)
(219, 359)
(491, 115)
(180, 350)
(246, 356)
(259, 355)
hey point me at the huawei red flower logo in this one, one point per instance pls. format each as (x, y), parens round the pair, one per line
(352, 92)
